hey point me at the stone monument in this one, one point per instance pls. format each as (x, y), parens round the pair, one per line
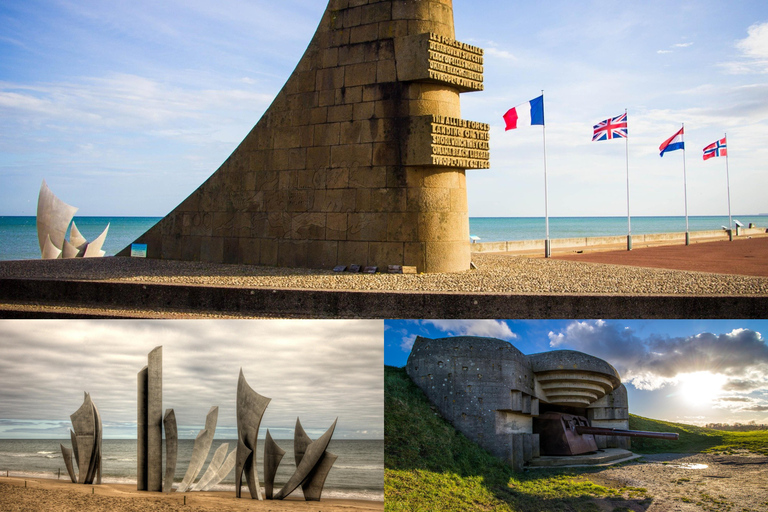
(360, 159)
(493, 393)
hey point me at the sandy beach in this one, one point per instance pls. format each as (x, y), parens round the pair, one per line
(26, 494)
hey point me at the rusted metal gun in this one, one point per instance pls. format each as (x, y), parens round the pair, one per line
(567, 434)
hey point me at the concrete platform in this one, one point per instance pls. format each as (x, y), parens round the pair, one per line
(606, 457)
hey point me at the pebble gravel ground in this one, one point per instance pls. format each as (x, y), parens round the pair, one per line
(681, 483)
(496, 273)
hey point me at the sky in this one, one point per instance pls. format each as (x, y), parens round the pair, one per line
(317, 370)
(686, 371)
(125, 108)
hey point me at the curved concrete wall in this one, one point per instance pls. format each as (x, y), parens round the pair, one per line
(360, 159)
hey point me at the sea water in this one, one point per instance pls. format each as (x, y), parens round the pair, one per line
(358, 473)
(500, 229)
(18, 235)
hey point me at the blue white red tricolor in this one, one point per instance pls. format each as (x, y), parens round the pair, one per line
(717, 148)
(613, 128)
(528, 113)
(672, 143)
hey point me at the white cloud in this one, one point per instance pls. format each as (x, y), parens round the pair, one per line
(754, 51)
(488, 328)
(407, 343)
(741, 356)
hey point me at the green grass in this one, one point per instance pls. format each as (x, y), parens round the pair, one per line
(696, 439)
(430, 466)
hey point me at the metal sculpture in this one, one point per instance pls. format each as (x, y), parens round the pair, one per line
(273, 454)
(200, 450)
(312, 486)
(86, 436)
(225, 469)
(250, 409)
(171, 448)
(310, 461)
(218, 459)
(53, 219)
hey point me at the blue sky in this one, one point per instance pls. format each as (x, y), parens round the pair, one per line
(125, 108)
(689, 371)
(317, 370)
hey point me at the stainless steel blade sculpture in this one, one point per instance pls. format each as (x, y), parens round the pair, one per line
(66, 453)
(171, 448)
(225, 469)
(273, 454)
(313, 463)
(250, 409)
(200, 450)
(53, 218)
(86, 436)
(213, 467)
(312, 486)
(149, 447)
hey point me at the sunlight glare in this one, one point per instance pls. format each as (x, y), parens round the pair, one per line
(700, 388)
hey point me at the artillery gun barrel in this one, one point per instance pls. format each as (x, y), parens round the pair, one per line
(602, 431)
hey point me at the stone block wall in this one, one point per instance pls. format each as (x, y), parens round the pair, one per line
(360, 159)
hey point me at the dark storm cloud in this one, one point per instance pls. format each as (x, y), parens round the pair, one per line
(651, 362)
(314, 369)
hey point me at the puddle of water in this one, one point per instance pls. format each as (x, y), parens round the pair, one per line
(688, 466)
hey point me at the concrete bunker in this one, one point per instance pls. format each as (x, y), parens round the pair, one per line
(521, 407)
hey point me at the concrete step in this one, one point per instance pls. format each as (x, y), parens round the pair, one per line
(605, 457)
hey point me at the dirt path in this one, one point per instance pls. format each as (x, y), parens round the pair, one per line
(734, 483)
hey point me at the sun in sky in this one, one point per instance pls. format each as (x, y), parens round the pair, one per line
(699, 389)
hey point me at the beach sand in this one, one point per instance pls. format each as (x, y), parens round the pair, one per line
(60, 495)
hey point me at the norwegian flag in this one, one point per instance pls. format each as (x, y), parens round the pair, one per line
(717, 148)
(614, 128)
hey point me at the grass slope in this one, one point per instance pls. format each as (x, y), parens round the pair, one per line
(430, 466)
(695, 439)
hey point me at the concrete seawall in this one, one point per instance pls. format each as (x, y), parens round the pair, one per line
(579, 243)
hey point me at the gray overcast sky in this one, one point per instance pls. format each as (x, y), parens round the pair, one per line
(314, 369)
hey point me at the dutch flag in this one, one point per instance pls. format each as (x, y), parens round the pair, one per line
(528, 113)
(672, 143)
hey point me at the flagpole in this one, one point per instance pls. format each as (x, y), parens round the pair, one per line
(685, 195)
(626, 151)
(547, 246)
(728, 181)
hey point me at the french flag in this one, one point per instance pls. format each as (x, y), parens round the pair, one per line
(528, 113)
(672, 143)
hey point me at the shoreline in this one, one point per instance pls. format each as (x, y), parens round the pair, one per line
(609, 243)
(19, 493)
(328, 493)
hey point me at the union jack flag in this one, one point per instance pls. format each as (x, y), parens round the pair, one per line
(717, 148)
(613, 128)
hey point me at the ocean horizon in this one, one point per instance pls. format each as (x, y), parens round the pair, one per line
(357, 474)
(19, 233)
